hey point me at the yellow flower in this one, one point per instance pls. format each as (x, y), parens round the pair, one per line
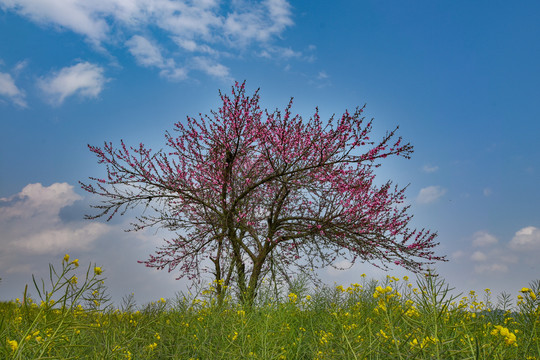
(66, 257)
(75, 262)
(524, 290)
(293, 297)
(97, 270)
(510, 339)
(533, 295)
(13, 344)
(73, 280)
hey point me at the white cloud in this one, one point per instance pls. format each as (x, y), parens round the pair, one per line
(202, 27)
(31, 223)
(146, 53)
(149, 54)
(211, 68)
(10, 90)
(339, 267)
(479, 256)
(526, 239)
(482, 238)
(192, 46)
(83, 79)
(83, 17)
(278, 52)
(430, 169)
(199, 24)
(257, 22)
(430, 194)
(322, 75)
(491, 268)
(20, 66)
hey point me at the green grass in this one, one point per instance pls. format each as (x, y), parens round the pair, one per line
(389, 319)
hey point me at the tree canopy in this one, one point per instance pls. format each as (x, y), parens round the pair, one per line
(250, 193)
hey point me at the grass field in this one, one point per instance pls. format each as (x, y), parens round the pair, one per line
(70, 318)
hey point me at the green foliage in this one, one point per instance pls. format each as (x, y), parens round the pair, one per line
(389, 319)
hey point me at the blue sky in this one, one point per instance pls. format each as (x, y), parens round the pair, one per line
(460, 78)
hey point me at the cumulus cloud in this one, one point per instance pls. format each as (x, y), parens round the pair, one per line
(31, 222)
(83, 79)
(430, 194)
(526, 239)
(479, 256)
(483, 238)
(9, 90)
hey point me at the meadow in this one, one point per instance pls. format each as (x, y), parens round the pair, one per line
(70, 317)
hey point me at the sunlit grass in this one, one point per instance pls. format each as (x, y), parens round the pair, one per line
(390, 319)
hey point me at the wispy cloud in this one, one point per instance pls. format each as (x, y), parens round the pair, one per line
(212, 68)
(430, 169)
(430, 194)
(83, 79)
(9, 90)
(200, 27)
(83, 17)
(285, 53)
(259, 22)
(149, 54)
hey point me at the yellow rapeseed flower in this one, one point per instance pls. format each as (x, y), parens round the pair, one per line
(13, 344)
(524, 290)
(293, 297)
(66, 257)
(97, 270)
(75, 262)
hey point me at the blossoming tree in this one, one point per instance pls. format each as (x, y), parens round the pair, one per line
(250, 193)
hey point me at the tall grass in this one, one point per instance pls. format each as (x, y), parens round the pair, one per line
(389, 319)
